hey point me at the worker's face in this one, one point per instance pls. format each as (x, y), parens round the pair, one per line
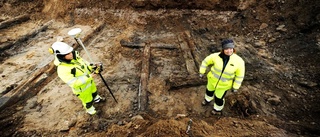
(228, 51)
(69, 56)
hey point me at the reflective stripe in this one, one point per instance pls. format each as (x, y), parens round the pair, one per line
(218, 108)
(230, 74)
(82, 78)
(71, 81)
(208, 98)
(223, 79)
(215, 75)
(205, 62)
(219, 70)
(238, 81)
(226, 79)
(97, 99)
(216, 69)
(80, 90)
(203, 66)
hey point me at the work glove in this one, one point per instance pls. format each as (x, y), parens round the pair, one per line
(201, 75)
(97, 68)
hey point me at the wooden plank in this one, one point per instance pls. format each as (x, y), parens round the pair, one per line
(141, 45)
(185, 81)
(143, 88)
(13, 21)
(25, 37)
(21, 92)
(131, 44)
(144, 78)
(194, 50)
(190, 64)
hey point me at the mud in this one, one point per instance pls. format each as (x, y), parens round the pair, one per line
(151, 51)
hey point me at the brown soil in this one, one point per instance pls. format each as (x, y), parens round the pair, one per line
(279, 41)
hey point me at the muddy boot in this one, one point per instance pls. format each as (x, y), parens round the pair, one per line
(91, 110)
(214, 112)
(98, 112)
(98, 99)
(204, 102)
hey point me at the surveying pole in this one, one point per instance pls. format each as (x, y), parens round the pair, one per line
(75, 33)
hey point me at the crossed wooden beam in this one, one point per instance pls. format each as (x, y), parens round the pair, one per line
(188, 48)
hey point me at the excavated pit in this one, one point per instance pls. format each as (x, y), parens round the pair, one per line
(151, 53)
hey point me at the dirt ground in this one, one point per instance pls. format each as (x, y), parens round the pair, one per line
(151, 52)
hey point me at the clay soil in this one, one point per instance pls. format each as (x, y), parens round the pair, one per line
(151, 52)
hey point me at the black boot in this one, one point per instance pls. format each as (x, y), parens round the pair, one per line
(214, 112)
(204, 102)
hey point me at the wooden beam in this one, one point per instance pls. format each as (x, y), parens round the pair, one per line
(194, 49)
(21, 92)
(143, 87)
(13, 21)
(185, 81)
(24, 38)
(190, 64)
(152, 45)
(144, 78)
(131, 44)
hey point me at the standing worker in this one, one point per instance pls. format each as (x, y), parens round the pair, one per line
(227, 73)
(77, 73)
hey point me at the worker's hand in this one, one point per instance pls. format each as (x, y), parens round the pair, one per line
(97, 68)
(100, 67)
(201, 75)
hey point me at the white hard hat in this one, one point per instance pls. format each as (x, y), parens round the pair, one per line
(61, 48)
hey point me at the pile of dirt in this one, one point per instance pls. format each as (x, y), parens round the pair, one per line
(155, 80)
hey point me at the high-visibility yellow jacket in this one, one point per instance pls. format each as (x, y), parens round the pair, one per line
(232, 75)
(76, 74)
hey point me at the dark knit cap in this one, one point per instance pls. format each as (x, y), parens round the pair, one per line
(227, 43)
